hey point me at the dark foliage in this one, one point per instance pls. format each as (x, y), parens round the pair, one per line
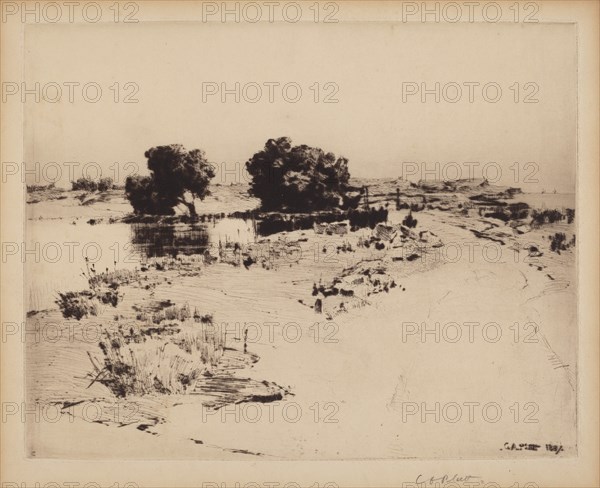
(33, 188)
(105, 184)
(177, 176)
(299, 178)
(145, 197)
(271, 223)
(409, 221)
(518, 211)
(76, 305)
(512, 211)
(546, 216)
(88, 184)
(367, 218)
(558, 242)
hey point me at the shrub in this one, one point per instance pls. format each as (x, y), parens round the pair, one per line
(34, 188)
(77, 304)
(518, 211)
(104, 288)
(546, 217)
(110, 296)
(558, 242)
(409, 221)
(513, 211)
(88, 184)
(499, 214)
(359, 218)
(84, 183)
(105, 184)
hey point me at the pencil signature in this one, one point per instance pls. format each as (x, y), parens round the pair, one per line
(423, 482)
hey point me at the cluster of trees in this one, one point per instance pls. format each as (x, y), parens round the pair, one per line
(550, 216)
(284, 177)
(88, 184)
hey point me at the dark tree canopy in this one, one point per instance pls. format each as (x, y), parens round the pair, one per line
(298, 178)
(177, 176)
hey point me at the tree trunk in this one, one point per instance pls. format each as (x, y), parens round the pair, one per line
(191, 208)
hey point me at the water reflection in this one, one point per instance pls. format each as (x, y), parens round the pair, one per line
(157, 240)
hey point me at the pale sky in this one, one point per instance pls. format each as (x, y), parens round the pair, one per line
(371, 125)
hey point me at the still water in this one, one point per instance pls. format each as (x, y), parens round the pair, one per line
(57, 250)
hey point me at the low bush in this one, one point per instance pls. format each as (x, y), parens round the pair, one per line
(409, 221)
(33, 188)
(546, 217)
(105, 184)
(360, 218)
(513, 211)
(77, 304)
(558, 242)
(570, 215)
(86, 183)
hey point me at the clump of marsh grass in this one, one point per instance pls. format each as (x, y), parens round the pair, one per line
(163, 360)
(77, 304)
(173, 312)
(113, 279)
(103, 290)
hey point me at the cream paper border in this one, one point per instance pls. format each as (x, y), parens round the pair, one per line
(581, 471)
